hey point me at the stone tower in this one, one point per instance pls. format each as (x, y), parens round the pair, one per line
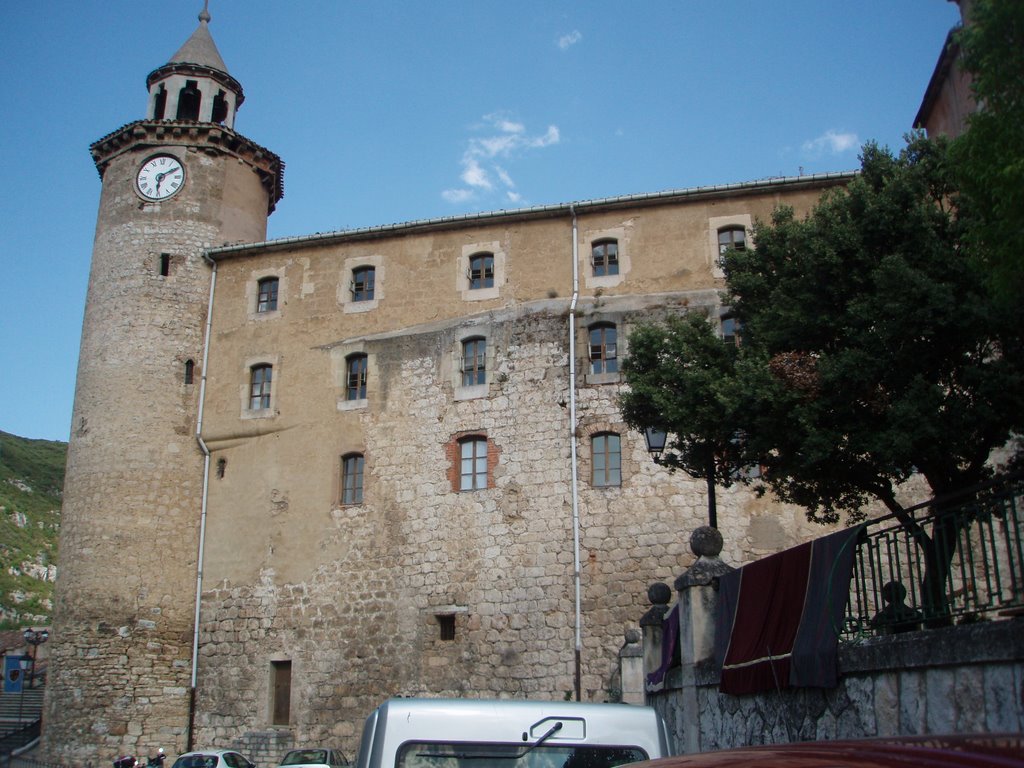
(173, 185)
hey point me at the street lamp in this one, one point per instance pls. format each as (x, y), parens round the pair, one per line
(23, 664)
(34, 638)
(656, 439)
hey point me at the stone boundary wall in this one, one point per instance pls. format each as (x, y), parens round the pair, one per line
(962, 679)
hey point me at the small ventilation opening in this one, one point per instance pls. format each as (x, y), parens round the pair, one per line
(222, 465)
(446, 625)
(165, 264)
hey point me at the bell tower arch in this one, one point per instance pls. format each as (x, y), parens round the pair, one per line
(173, 185)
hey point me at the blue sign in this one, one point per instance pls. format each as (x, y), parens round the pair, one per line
(13, 674)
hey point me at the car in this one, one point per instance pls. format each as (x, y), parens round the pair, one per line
(957, 751)
(213, 758)
(315, 757)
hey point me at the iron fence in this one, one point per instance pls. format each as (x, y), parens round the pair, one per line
(941, 564)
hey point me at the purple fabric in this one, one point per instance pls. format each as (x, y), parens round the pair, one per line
(669, 655)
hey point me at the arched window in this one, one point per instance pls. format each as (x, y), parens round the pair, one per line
(362, 283)
(259, 387)
(190, 371)
(188, 101)
(160, 104)
(266, 297)
(604, 356)
(472, 463)
(355, 377)
(606, 459)
(481, 271)
(731, 237)
(604, 256)
(474, 361)
(352, 478)
(220, 108)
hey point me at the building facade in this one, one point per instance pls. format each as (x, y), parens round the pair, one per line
(308, 474)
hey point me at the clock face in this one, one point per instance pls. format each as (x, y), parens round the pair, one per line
(160, 177)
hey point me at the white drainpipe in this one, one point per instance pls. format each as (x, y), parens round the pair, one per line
(572, 444)
(206, 490)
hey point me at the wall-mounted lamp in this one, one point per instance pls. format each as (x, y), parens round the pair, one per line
(656, 439)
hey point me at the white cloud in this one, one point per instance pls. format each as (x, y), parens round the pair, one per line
(831, 143)
(474, 175)
(565, 42)
(551, 137)
(457, 195)
(504, 177)
(505, 139)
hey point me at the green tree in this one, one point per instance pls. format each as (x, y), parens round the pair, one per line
(990, 155)
(872, 350)
(682, 382)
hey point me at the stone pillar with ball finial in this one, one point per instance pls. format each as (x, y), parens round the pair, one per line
(698, 604)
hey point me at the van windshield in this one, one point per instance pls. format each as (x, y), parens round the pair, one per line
(421, 754)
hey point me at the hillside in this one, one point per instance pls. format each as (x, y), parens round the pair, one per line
(31, 481)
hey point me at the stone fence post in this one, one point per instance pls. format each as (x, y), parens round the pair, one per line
(698, 603)
(651, 622)
(631, 669)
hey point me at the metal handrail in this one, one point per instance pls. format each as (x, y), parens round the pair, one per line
(965, 563)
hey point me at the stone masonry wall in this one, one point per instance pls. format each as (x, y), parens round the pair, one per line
(963, 679)
(120, 664)
(362, 625)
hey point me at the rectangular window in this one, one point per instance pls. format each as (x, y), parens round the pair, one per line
(362, 283)
(355, 388)
(730, 238)
(730, 330)
(604, 356)
(266, 300)
(259, 387)
(606, 458)
(474, 362)
(281, 674)
(481, 271)
(352, 479)
(446, 626)
(604, 256)
(473, 464)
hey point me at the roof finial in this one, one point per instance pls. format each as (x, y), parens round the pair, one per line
(204, 15)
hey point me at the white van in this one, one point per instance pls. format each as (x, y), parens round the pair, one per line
(480, 733)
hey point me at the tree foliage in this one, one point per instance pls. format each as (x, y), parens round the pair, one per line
(990, 155)
(680, 373)
(872, 349)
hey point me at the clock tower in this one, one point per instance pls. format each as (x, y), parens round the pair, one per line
(173, 185)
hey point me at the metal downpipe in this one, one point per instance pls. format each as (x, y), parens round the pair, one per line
(573, 457)
(202, 517)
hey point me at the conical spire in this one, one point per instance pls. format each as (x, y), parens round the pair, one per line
(200, 48)
(195, 84)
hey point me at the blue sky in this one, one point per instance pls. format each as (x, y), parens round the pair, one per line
(395, 111)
